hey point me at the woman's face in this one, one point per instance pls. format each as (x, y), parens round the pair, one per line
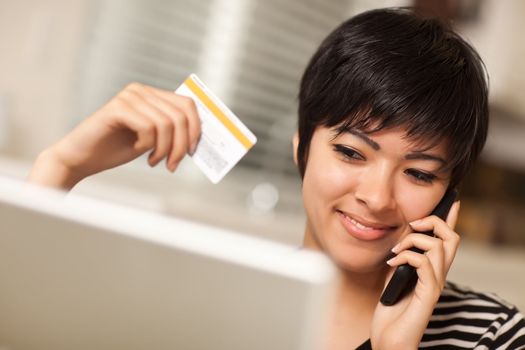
(361, 190)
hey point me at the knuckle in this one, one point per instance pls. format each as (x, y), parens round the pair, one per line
(177, 114)
(405, 255)
(149, 128)
(129, 95)
(188, 102)
(143, 143)
(122, 108)
(124, 93)
(165, 123)
(133, 86)
(434, 219)
(424, 260)
(119, 102)
(180, 118)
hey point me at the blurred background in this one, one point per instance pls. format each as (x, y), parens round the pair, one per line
(60, 60)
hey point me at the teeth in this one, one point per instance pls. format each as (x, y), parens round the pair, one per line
(359, 225)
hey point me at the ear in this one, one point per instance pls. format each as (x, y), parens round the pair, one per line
(295, 144)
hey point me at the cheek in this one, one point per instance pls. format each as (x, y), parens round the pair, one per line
(419, 204)
(325, 180)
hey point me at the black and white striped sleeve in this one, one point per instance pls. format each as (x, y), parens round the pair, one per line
(510, 333)
(464, 319)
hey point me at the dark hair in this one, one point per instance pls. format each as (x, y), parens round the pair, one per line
(390, 67)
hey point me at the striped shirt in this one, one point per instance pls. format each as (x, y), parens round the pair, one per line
(464, 319)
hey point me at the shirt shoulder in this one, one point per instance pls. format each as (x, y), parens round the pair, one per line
(467, 319)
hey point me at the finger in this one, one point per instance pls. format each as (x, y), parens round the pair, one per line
(163, 124)
(418, 240)
(433, 223)
(194, 121)
(164, 132)
(178, 137)
(142, 127)
(128, 118)
(426, 276)
(180, 141)
(432, 246)
(179, 107)
(186, 105)
(452, 216)
(442, 231)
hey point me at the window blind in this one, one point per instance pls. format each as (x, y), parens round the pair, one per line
(251, 53)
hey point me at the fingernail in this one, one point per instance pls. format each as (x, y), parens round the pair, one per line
(390, 256)
(390, 261)
(193, 147)
(151, 160)
(395, 249)
(415, 222)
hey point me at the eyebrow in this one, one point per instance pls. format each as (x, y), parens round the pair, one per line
(425, 156)
(365, 138)
(412, 156)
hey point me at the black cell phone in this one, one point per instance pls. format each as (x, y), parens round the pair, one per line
(405, 277)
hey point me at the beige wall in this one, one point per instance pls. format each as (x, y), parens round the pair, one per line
(39, 48)
(501, 44)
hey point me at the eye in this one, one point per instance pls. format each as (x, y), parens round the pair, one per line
(348, 153)
(420, 176)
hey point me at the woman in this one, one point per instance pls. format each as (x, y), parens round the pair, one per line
(392, 112)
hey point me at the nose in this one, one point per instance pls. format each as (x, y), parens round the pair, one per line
(375, 189)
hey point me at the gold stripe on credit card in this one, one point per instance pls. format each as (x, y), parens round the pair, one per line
(218, 113)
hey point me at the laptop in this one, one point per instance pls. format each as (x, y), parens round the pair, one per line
(80, 273)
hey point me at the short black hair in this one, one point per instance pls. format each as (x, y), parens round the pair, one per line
(391, 67)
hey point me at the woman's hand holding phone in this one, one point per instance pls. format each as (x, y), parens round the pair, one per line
(138, 119)
(402, 325)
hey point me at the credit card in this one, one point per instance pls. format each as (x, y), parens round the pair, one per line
(224, 138)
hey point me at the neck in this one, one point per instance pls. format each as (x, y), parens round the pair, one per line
(358, 291)
(354, 304)
(358, 286)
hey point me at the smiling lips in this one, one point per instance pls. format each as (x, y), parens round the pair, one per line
(362, 229)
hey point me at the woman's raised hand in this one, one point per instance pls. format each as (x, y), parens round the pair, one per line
(402, 325)
(138, 119)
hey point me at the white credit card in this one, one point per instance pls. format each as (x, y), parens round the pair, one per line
(224, 138)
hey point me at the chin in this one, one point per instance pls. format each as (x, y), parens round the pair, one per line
(358, 259)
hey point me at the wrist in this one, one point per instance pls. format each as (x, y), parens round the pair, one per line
(50, 171)
(393, 344)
